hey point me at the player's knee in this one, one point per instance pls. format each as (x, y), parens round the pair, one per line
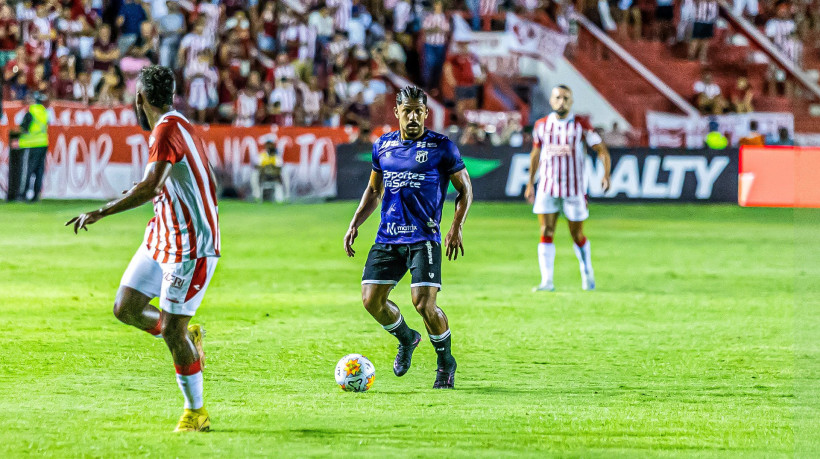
(547, 231)
(424, 303)
(373, 302)
(120, 312)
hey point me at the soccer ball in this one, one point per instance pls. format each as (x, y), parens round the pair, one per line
(354, 373)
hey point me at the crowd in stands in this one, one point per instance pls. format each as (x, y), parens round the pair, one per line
(303, 62)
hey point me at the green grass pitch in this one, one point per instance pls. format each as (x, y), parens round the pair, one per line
(701, 340)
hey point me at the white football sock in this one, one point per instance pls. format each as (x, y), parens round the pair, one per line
(191, 387)
(546, 260)
(584, 259)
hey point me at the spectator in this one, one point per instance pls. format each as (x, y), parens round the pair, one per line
(105, 54)
(357, 27)
(62, 84)
(783, 138)
(312, 98)
(111, 86)
(342, 10)
(192, 44)
(129, 20)
(9, 34)
(750, 7)
(742, 97)
(708, 96)
(282, 102)
(284, 69)
(780, 27)
(401, 20)
(615, 137)
(436, 28)
(473, 134)
(18, 89)
(266, 30)
(358, 113)
(37, 81)
(628, 16)
(83, 90)
(753, 137)
(322, 22)
(130, 66)
(664, 20)
(147, 45)
(202, 79)
(706, 14)
(393, 54)
(171, 29)
(249, 102)
(463, 73)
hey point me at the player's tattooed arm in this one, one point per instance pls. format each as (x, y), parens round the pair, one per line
(454, 242)
(603, 155)
(370, 201)
(535, 156)
(144, 191)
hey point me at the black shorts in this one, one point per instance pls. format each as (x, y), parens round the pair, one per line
(387, 264)
(703, 31)
(665, 13)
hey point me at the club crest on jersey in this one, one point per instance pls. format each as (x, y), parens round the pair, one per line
(421, 156)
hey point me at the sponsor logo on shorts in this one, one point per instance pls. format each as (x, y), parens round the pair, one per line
(429, 254)
(432, 275)
(176, 282)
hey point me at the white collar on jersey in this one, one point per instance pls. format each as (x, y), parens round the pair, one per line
(172, 112)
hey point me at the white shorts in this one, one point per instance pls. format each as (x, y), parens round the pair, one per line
(180, 287)
(574, 207)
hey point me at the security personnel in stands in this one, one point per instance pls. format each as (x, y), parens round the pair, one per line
(34, 143)
(715, 140)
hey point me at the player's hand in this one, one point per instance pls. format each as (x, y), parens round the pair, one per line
(83, 220)
(529, 193)
(605, 184)
(350, 236)
(454, 243)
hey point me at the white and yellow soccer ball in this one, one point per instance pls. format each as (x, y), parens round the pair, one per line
(354, 373)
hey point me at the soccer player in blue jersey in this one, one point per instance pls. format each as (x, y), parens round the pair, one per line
(412, 168)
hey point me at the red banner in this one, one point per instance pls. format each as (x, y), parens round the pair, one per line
(779, 177)
(65, 113)
(88, 163)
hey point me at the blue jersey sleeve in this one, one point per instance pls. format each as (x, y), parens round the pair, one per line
(451, 161)
(375, 157)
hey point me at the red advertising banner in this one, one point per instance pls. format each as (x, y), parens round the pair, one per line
(65, 113)
(85, 163)
(779, 177)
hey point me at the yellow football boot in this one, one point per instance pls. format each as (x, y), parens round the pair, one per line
(194, 421)
(196, 333)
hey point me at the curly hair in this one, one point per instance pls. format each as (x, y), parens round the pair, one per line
(410, 93)
(158, 85)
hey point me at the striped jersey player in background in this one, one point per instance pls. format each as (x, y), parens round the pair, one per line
(176, 261)
(557, 161)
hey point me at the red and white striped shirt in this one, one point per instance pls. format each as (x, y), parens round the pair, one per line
(488, 7)
(561, 170)
(436, 27)
(344, 10)
(186, 220)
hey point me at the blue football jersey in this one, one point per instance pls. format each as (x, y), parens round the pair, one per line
(416, 174)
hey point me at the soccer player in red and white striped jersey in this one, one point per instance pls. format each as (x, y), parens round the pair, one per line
(557, 162)
(177, 259)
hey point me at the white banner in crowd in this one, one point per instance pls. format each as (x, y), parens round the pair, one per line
(533, 39)
(521, 37)
(676, 131)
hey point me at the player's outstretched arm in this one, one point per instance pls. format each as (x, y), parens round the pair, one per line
(535, 157)
(453, 241)
(603, 155)
(144, 191)
(370, 201)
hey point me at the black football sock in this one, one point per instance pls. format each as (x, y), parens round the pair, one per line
(401, 331)
(442, 345)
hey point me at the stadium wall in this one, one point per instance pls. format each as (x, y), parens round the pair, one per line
(501, 173)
